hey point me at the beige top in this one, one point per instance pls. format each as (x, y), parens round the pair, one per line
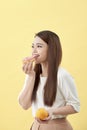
(66, 93)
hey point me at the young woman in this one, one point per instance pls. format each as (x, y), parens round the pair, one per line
(49, 86)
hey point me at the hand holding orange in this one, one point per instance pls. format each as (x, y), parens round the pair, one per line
(41, 113)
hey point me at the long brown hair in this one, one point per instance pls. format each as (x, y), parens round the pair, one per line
(54, 60)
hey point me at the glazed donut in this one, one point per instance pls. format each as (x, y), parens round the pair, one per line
(29, 59)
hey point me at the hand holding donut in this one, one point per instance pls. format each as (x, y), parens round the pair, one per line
(28, 64)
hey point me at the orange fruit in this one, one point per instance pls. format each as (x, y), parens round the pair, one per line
(41, 113)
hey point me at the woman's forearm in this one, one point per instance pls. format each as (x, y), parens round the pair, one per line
(24, 97)
(65, 110)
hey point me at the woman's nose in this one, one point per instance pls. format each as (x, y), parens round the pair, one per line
(34, 50)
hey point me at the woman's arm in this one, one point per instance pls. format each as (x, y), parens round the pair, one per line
(65, 110)
(26, 93)
(24, 97)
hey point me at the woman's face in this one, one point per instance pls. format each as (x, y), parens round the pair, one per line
(40, 47)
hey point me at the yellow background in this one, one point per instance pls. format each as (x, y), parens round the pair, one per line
(19, 21)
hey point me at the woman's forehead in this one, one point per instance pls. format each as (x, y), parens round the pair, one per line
(38, 41)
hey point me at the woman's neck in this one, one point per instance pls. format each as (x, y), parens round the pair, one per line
(44, 69)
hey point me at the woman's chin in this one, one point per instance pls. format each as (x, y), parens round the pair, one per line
(37, 62)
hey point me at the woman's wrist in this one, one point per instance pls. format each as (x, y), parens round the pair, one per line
(51, 111)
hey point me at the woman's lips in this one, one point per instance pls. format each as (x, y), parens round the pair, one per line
(35, 54)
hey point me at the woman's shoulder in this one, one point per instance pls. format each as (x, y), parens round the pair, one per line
(62, 72)
(65, 76)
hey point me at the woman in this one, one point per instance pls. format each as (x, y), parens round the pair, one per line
(48, 85)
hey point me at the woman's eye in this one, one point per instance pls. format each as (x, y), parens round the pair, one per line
(32, 46)
(39, 46)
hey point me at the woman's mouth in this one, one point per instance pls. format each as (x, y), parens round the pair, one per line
(35, 55)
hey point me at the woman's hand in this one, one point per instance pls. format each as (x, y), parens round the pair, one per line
(28, 68)
(50, 112)
(28, 64)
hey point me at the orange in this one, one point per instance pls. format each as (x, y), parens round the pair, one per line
(41, 113)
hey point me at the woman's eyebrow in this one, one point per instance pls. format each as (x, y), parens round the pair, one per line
(37, 44)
